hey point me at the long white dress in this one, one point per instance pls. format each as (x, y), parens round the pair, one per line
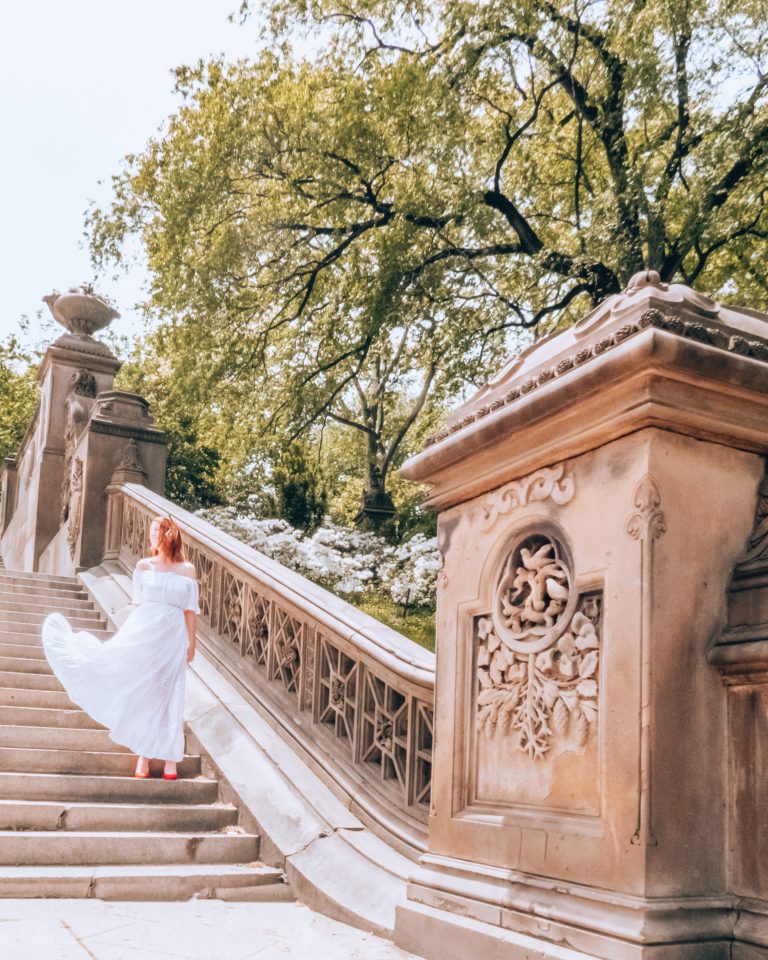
(133, 683)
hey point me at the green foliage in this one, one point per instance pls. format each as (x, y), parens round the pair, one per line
(18, 394)
(191, 467)
(194, 468)
(351, 241)
(300, 497)
(416, 623)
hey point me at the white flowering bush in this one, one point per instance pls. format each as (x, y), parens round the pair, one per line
(344, 560)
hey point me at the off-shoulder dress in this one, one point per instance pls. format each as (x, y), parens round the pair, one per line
(134, 682)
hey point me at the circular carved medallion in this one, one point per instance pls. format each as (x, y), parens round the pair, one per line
(534, 600)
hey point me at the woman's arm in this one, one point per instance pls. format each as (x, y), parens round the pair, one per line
(190, 619)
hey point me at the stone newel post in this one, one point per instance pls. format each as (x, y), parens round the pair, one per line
(594, 498)
(54, 509)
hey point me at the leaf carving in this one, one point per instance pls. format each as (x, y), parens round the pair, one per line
(535, 697)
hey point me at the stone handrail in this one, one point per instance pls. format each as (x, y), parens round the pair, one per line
(353, 695)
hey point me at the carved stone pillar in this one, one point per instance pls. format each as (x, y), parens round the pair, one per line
(129, 470)
(83, 434)
(593, 499)
(120, 442)
(74, 370)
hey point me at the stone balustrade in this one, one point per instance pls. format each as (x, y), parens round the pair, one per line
(353, 695)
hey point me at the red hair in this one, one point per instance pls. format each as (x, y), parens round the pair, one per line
(169, 545)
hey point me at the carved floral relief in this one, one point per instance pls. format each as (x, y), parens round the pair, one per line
(538, 652)
(76, 504)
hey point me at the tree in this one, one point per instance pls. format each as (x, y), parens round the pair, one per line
(194, 467)
(191, 467)
(300, 496)
(349, 237)
(18, 394)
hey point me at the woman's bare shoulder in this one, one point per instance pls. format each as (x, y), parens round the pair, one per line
(188, 570)
(143, 564)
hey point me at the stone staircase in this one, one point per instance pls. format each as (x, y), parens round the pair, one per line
(74, 822)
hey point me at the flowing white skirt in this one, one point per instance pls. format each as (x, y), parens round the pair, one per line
(133, 683)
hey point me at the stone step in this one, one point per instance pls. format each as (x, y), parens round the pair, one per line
(34, 650)
(267, 893)
(46, 605)
(30, 697)
(169, 882)
(42, 592)
(106, 789)
(46, 717)
(59, 738)
(83, 621)
(142, 817)
(38, 760)
(22, 630)
(30, 633)
(28, 681)
(78, 848)
(25, 665)
(74, 821)
(22, 577)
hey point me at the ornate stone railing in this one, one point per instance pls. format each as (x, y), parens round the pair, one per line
(355, 696)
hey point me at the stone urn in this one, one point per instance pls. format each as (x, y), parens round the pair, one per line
(82, 314)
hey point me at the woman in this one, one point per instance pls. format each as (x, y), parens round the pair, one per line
(133, 683)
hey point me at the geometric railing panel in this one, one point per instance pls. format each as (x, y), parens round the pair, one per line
(256, 637)
(384, 735)
(232, 598)
(423, 754)
(337, 696)
(286, 649)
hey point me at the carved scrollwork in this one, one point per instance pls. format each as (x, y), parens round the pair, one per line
(550, 483)
(538, 653)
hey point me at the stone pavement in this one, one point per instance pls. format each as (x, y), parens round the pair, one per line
(191, 930)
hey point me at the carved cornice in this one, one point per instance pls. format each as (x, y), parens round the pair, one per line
(697, 330)
(148, 434)
(548, 483)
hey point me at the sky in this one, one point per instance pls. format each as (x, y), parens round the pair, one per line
(85, 82)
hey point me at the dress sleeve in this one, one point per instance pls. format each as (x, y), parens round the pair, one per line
(136, 586)
(192, 597)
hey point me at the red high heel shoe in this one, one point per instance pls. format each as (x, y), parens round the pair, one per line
(170, 776)
(141, 776)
